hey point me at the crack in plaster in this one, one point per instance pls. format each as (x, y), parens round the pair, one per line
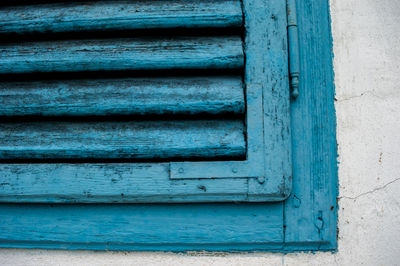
(371, 191)
(358, 96)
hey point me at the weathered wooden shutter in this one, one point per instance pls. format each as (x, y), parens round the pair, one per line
(144, 101)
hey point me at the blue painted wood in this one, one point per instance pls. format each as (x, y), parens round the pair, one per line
(268, 168)
(119, 15)
(268, 163)
(305, 224)
(310, 212)
(169, 227)
(252, 167)
(147, 53)
(183, 139)
(266, 64)
(110, 183)
(134, 96)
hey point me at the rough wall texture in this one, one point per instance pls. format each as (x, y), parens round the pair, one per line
(367, 55)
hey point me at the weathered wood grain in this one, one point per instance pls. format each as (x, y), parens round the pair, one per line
(113, 140)
(119, 15)
(130, 96)
(305, 221)
(108, 183)
(266, 64)
(311, 210)
(146, 53)
(169, 227)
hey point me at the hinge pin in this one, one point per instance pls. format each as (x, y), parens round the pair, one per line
(294, 52)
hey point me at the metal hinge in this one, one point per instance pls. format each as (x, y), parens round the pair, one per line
(293, 42)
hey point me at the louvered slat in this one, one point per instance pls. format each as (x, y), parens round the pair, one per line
(120, 15)
(153, 138)
(115, 140)
(129, 96)
(122, 54)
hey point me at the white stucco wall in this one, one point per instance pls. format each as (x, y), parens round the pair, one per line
(367, 68)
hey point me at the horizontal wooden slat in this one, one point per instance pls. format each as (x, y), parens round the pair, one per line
(120, 15)
(122, 54)
(115, 140)
(167, 227)
(135, 96)
(108, 183)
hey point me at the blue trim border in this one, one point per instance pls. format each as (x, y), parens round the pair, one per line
(306, 221)
(311, 210)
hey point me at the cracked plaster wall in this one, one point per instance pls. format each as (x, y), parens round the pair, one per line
(367, 77)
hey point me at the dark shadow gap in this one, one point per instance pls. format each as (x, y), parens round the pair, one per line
(167, 33)
(121, 160)
(123, 118)
(38, 76)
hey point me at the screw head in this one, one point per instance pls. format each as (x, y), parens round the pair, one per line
(180, 170)
(261, 179)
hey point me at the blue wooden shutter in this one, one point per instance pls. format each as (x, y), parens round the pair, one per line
(144, 101)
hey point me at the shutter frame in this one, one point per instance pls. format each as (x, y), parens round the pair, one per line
(264, 176)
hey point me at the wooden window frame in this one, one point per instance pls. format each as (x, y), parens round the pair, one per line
(307, 220)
